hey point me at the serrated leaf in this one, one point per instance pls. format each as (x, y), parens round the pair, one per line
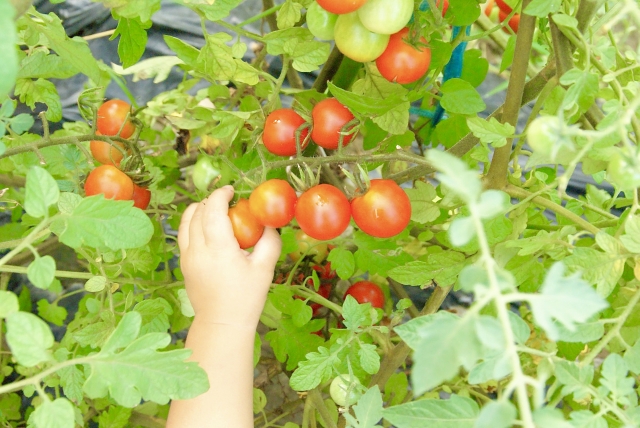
(424, 209)
(52, 312)
(317, 368)
(459, 96)
(72, 379)
(412, 273)
(289, 14)
(368, 409)
(41, 192)
(133, 40)
(29, 338)
(58, 413)
(491, 131)
(576, 379)
(369, 358)
(343, 262)
(598, 268)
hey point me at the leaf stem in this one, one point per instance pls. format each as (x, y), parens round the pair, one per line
(36, 379)
(35, 234)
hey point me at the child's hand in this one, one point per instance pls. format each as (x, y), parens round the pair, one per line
(226, 285)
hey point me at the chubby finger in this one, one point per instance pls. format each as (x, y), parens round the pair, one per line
(196, 237)
(267, 251)
(216, 225)
(183, 230)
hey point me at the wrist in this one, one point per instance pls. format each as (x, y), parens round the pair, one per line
(217, 323)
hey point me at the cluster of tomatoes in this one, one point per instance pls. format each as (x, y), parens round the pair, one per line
(108, 179)
(504, 10)
(373, 30)
(323, 212)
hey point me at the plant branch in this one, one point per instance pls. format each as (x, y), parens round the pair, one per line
(318, 403)
(329, 70)
(48, 142)
(36, 379)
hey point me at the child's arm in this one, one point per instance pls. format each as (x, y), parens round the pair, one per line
(227, 287)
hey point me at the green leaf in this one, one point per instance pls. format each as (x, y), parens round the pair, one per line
(614, 378)
(367, 105)
(72, 379)
(412, 273)
(369, 358)
(96, 333)
(184, 51)
(587, 419)
(291, 343)
(29, 338)
(456, 175)
(139, 372)
(459, 96)
(461, 231)
(41, 192)
(220, 9)
(185, 304)
(509, 52)
(456, 412)
(632, 358)
(58, 413)
(598, 268)
(424, 209)
(491, 131)
(8, 303)
(464, 12)
(542, 8)
(135, 9)
(343, 262)
(98, 223)
(47, 66)
(583, 333)
(576, 379)
(8, 52)
(368, 410)
(492, 203)
(114, 417)
(631, 238)
(568, 300)
(475, 67)
(155, 315)
(96, 284)
(133, 40)
(497, 414)
(307, 54)
(51, 312)
(289, 14)
(41, 271)
(547, 417)
(317, 368)
(40, 91)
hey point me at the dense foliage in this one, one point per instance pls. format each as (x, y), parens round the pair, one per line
(552, 337)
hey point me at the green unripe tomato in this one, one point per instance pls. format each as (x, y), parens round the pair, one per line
(386, 16)
(543, 133)
(624, 172)
(321, 22)
(204, 173)
(345, 390)
(356, 42)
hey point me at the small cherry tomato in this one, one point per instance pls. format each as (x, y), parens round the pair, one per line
(341, 6)
(504, 6)
(111, 182)
(329, 118)
(273, 203)
(279, 135)
(204, 172)
(323, 212)
(141, 197)
(401, 62)
(366, 292)
(488, 7)
(445, 7)
(383, 211)
(385, 16)
(514, 22)
(321, 22)
(309, 247)
(112, 119)
(246, 228)
(356, 42)
(106, 153)
(345, 390)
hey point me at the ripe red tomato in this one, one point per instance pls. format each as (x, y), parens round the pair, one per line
(402, 62)
(355, 41)
(280, 132)
(112, 116)
(445, 7)
(514, 22)
(385, 16)
(105, 153)
(488, 8)
(341, 6)
(329, 117)
(503, 6)
(273, 203)
(141, 197)
(111, 182)
(366, 292)
(323, 212)
(384, 211)
(246, 228)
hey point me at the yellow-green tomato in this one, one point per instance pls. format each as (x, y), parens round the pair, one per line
(321, 23)
(204, 173)
(345, 390)
(308, 246)
(386, 16)
(543, 133)
(355, 41)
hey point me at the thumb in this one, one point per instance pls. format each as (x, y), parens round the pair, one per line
(267, 251)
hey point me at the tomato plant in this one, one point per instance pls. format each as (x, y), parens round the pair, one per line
(280, 130)
(109, 181)
(402, 62)
(385, 17)
(356, 41)
(273, 203)
(366, 292)
(383, 211)
(246, 227)
(323, 212)
(341, 6)
(345, 389)
(514, 21)
(107, 154)
(321, 22)
(141, 197)
(113, 119)
(329, 120)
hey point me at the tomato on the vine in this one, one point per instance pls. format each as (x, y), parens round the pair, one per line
(504, 6)
(366, 292)
(355, 41)
(329, 118)
(383, 211)
(308, 246)
(445, 7)
(514, 21)
(341, 6)
(106, 153)
(246, 228)
(273, 203)
(385, 16)
(345, 390)
(111, 182)
(401, 62)
(321, 22)
(323, 212)
(113, 119)
(141, 197)
(280, 128)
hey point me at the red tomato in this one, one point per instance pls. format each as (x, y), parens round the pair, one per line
(341, 6)
(384, 211)
(273, 203)
(105, 153)
(323, 212)
(488, 7)
(503, 6)
(246, 228)
(111, 182)
(402, 62)
(366, 292)
(329, 117)
(445, 7)
(514, 22)
(280, 132)
(141, 197)
(112, 116)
